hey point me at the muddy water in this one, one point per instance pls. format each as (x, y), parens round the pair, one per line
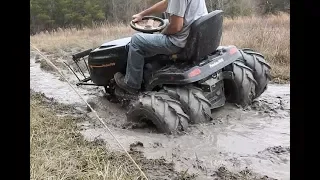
(257, 138)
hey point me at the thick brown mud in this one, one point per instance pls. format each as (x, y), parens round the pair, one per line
(252, 142)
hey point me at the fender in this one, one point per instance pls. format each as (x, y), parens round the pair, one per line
(192, 73)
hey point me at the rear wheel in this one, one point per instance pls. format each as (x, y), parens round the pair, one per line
(158, 107)
(193, 102)
(241, 90)
(261, 69)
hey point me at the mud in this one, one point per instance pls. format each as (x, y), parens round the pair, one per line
(252, 142)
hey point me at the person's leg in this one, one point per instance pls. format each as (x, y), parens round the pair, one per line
(142, 45)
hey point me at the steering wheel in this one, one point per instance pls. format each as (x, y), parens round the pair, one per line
(149, 24)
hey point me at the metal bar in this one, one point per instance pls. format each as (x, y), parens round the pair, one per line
(86, 64)
(72, 70)
(87, 84)
(76, 57)
(86, 79)
(81, 70)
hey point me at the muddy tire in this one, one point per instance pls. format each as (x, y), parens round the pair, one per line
(193, 102)
(164, 112)
(241, 90)
(261, 69)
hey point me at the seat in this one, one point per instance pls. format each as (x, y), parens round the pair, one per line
(204, 38)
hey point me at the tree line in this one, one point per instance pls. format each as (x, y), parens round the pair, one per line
(52, 14)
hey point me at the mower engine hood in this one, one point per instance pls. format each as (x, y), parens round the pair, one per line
(114, 43)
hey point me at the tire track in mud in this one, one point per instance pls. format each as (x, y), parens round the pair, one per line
(257, 138)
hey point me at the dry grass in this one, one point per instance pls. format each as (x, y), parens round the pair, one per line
(72, 39)
(57, 150)
(269, 35)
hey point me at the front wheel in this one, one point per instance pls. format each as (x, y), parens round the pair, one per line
(164, 112)
(193, 102)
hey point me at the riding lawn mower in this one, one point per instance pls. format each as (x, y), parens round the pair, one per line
(184, 88)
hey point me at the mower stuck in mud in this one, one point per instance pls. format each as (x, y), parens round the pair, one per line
(184, 88)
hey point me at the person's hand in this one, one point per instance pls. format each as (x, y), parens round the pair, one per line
(137, 18)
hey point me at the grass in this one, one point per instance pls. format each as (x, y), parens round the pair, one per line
(67, 40)
(269, 35)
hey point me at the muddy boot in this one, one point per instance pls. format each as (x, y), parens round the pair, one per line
(119, 78)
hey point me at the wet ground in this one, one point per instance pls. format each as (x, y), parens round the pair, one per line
(251, 141)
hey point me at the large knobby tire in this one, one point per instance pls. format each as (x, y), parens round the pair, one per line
(193, 102)
(241, 90)
(164, 112)
(261, 69)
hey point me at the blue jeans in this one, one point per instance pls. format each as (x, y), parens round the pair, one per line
(141, 46)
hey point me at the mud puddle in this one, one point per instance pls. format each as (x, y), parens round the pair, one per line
(257, 138)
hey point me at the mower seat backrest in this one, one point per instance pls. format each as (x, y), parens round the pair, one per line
(204, 37)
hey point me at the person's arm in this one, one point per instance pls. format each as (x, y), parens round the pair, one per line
(159, 7)
(175, 25)
(176, 9)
